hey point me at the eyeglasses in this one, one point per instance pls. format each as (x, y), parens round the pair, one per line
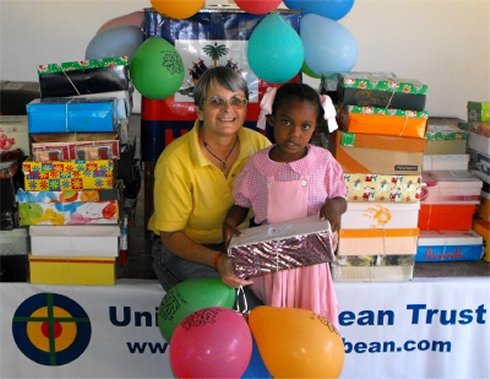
(236, 102)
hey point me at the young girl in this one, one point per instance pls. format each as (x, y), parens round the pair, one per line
(292, 179)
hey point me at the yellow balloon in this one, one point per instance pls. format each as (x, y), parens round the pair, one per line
(297, 343)
(178, 9)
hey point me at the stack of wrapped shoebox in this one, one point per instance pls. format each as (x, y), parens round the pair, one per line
(206, 39)
(450, 194)
(14, 242)
(71, 201)
(380, 146)
(479, 151)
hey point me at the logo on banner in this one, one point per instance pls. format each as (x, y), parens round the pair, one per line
(51, 329)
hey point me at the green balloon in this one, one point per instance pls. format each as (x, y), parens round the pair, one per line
(156, 69)
(190, 296)
(307, 70)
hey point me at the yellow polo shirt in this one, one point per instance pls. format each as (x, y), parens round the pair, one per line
(190, 193)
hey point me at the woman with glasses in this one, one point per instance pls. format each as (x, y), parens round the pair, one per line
(194, 176)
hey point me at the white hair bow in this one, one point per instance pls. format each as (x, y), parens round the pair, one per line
(330, 113)
(266, 106)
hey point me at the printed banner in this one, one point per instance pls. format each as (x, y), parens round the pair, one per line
(427, 328)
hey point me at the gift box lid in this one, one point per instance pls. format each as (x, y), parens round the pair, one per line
(449, 238)
(378, 233)
(479, 127)
(23, 196)
(75, 231)
(281, 230)
(479, 105)
(329, 82)
(51, 68)
(382, 83)
(369, 110)
(447, 159)
(378, 141)
(102, 167)
(74, 137)
(447, 129)
(13, 124)
(99, 106)
(375, 260)
(461, 178)
(378, 187)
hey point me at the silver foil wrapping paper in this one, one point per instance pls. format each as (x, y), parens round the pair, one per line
(281, 246)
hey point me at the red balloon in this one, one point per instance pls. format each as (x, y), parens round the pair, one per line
(213, 342)
(258, 6)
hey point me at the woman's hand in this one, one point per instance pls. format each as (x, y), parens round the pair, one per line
(224, 267)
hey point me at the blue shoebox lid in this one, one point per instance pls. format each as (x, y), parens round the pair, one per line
(67, 115)
(450, 245)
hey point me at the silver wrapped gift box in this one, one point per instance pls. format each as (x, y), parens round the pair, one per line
(280, 246)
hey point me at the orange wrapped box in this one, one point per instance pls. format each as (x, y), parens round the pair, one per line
(378, 241)
(385, 121)
(378, 141)
(364, 160)
(446, 216)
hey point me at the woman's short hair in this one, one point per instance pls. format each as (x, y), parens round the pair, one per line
(224, 76)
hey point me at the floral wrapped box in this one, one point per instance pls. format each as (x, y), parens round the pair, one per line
(68, 175)
(378, 187)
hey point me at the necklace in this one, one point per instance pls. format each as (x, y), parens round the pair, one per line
(222, 161)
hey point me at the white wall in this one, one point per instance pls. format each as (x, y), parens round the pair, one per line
(443, 43)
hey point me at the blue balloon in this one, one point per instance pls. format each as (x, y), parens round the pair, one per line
(332, 9)
(115, 42)
(275, 52)
(329, 46)
(256, 368)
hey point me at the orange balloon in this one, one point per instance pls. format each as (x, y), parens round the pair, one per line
(177, 9)
(297, 343)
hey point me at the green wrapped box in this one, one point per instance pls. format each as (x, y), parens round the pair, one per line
(478, 111)
(381, 91)
(84, 77)
(444, 136)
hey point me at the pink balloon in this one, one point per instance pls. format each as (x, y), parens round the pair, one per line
(213, 342)
(133, 19)
(258, 6)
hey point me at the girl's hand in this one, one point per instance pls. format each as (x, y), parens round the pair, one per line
(332, 211)
(228, 232)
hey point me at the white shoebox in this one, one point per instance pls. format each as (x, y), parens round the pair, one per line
(75, 240)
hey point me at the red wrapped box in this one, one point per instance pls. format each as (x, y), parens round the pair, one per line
(446, 216)
(68, 151)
